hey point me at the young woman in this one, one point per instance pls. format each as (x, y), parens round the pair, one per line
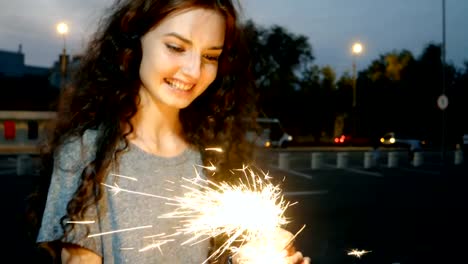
(162, 81)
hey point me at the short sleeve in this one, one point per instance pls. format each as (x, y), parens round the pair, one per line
(69, 162)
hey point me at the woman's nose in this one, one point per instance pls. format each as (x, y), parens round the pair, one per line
(192, 65)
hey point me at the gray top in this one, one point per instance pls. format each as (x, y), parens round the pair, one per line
(140, 176)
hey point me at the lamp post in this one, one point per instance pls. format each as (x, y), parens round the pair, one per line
(444, 112)
(356, 50)
(62, 29)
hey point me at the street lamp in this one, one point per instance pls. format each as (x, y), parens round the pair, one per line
(356, 50)
(62, 29)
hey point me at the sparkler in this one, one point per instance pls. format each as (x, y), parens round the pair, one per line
(357, 253)
(249, 213)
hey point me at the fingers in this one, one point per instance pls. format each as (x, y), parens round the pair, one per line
(284, 238)
(296, 258)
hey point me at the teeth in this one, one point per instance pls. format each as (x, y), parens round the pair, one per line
(179, 85)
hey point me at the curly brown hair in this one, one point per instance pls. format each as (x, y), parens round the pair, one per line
(104, 90)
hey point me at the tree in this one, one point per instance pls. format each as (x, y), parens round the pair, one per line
(278, 56)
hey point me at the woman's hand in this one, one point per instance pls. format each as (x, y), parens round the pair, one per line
(72, 254)
(275, 248)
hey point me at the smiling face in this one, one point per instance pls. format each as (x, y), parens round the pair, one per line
(180, 57)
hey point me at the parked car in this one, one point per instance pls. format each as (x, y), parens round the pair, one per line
(342, 140)
(348, 140)
(401, 140)
(270, 135)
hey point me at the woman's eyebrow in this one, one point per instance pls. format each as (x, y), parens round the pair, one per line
(189, 42)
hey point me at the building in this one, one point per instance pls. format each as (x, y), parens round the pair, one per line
(12, 65)
(27, 103)
(24, 87)
(28, 99)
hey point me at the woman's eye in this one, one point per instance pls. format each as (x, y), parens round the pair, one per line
(174, 48)
(212, 58)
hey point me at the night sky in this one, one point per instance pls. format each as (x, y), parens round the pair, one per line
(330, 25)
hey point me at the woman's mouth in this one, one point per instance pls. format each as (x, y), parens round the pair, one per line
(179, 85)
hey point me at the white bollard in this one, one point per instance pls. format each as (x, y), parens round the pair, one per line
(283, 161)
(458, 157)
(392, 161)
(316, 162)
(417, 159)
(342, 160)
(24, 165)
(368, 160)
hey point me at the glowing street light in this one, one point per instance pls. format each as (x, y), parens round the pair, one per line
(62, 29)
(356, 50)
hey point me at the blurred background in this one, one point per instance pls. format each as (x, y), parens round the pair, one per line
(363, 108)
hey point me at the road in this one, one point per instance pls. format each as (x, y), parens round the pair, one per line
(404, 214)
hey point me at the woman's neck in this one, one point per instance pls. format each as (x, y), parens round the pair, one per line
(157, 129)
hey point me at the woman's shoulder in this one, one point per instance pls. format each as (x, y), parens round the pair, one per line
(77, 148)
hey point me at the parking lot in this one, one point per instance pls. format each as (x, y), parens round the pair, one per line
(402, 214)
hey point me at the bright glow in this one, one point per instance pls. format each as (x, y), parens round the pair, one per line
(250, 210)
(357, 48)
(62, 28)
(392, 140)
(269, 249)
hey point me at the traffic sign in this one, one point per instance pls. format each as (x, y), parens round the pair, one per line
(442, 102)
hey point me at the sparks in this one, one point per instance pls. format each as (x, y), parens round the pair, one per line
(120, 230)
(85, 222)
(116, 189)
(357, 253)
(250, 210)
(220, 150)
(156, 244)
(210, 168)
(123, 176)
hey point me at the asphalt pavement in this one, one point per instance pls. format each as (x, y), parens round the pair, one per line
(403, 214)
